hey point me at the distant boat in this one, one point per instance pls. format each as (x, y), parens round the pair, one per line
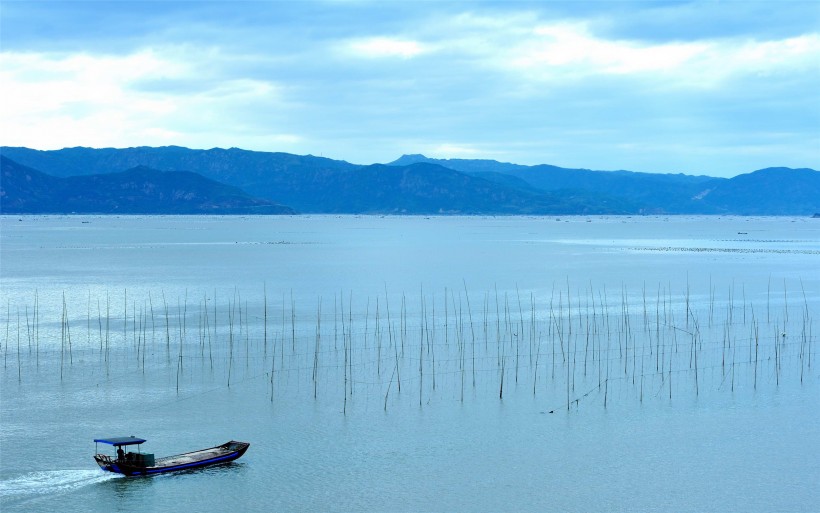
(143, 464)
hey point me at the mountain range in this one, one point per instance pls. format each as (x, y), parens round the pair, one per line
(179, 180)
(140, 190)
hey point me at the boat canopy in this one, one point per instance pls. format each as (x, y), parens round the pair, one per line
(117, 441)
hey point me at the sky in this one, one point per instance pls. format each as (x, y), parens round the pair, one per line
(717, 88)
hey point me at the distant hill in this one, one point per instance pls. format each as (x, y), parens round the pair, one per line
(319, 185)
(773, 191)
(432, 189)
(415, 184)
(776, 189)
(140, 190)
(651, 192)
(231, 166)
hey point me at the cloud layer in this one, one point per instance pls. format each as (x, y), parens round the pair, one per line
(598, 85)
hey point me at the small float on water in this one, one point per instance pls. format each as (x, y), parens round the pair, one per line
(143, 464)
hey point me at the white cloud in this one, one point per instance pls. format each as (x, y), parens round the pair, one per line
(41, 83)
(795, 53)
(559, 52)
(573, 46)
(57, 100)
(449, 150)
(378, 47)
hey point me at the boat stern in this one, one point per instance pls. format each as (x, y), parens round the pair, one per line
(106, 463)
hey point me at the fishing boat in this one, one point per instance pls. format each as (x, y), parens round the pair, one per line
(143, 464)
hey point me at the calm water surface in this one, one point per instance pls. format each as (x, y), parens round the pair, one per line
(414, 364)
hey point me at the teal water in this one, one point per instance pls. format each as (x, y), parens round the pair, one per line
(543, 364)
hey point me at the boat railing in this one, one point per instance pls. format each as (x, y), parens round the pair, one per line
(105, 458)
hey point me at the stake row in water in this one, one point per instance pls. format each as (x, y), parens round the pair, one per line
(567, 345)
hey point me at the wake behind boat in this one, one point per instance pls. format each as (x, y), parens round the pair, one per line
(142, 464)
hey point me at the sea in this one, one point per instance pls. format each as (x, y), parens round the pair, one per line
(413, 364)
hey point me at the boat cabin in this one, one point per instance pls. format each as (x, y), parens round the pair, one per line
(123, 456)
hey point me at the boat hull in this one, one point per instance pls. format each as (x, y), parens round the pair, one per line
(224, 453)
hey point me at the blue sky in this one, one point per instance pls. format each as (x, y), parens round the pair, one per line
(717, 88)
